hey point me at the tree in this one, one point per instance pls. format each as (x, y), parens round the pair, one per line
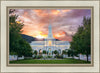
(15, 30)
(64, 52)
(69, 52)
(35, 52)
(17, 44)
(86, 36)
(81, 40)
(27, 51)
(44, 51)
(11, 11)
(55, 52)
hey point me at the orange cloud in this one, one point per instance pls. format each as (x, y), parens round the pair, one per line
(59, 34)
(55, 12)
(66, 10)
(62, 35)
(34, 31)
(41, 13)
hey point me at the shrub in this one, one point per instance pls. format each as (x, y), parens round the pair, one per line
(39, 57)
(49, 56)
(59, 56)
(27, 58)
(35, 57)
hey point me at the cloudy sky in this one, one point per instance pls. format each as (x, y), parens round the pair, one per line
(64, 22)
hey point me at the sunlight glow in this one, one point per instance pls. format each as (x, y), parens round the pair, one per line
(40, 35)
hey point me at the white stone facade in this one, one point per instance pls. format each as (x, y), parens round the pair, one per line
(50, 44)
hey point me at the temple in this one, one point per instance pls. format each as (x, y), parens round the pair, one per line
(50, 44)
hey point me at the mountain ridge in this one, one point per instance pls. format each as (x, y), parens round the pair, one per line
(30, 38)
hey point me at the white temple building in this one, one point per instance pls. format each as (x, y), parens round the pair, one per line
(50, 44)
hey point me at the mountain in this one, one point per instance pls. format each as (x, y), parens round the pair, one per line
(57, 40)
(28, 38)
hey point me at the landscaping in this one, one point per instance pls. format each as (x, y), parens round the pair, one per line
(54, 61)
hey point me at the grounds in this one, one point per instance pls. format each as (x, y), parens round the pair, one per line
(54, 61)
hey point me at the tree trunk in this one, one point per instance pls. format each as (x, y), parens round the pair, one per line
(79, 56)
(73, 56)
(87, 57)
(17, 57)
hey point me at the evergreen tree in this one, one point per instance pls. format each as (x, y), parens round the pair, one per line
(81, 41)
(17, 44)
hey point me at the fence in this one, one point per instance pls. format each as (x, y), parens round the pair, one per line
(14, 57)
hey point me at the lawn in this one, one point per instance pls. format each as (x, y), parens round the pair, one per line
(63, 61)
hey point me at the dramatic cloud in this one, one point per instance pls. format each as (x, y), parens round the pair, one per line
(64, 21)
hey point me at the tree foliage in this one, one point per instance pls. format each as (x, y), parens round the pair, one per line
(56, 52)
(44, 51)
(17, 44)
(35, 52)
(81, 41)
(64, 52)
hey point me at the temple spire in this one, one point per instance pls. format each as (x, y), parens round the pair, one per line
(50, 35)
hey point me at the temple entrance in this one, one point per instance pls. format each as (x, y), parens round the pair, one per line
(49, 43)
(59, 51)
(49, 52)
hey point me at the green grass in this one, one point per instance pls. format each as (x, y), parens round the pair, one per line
(63, 61)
